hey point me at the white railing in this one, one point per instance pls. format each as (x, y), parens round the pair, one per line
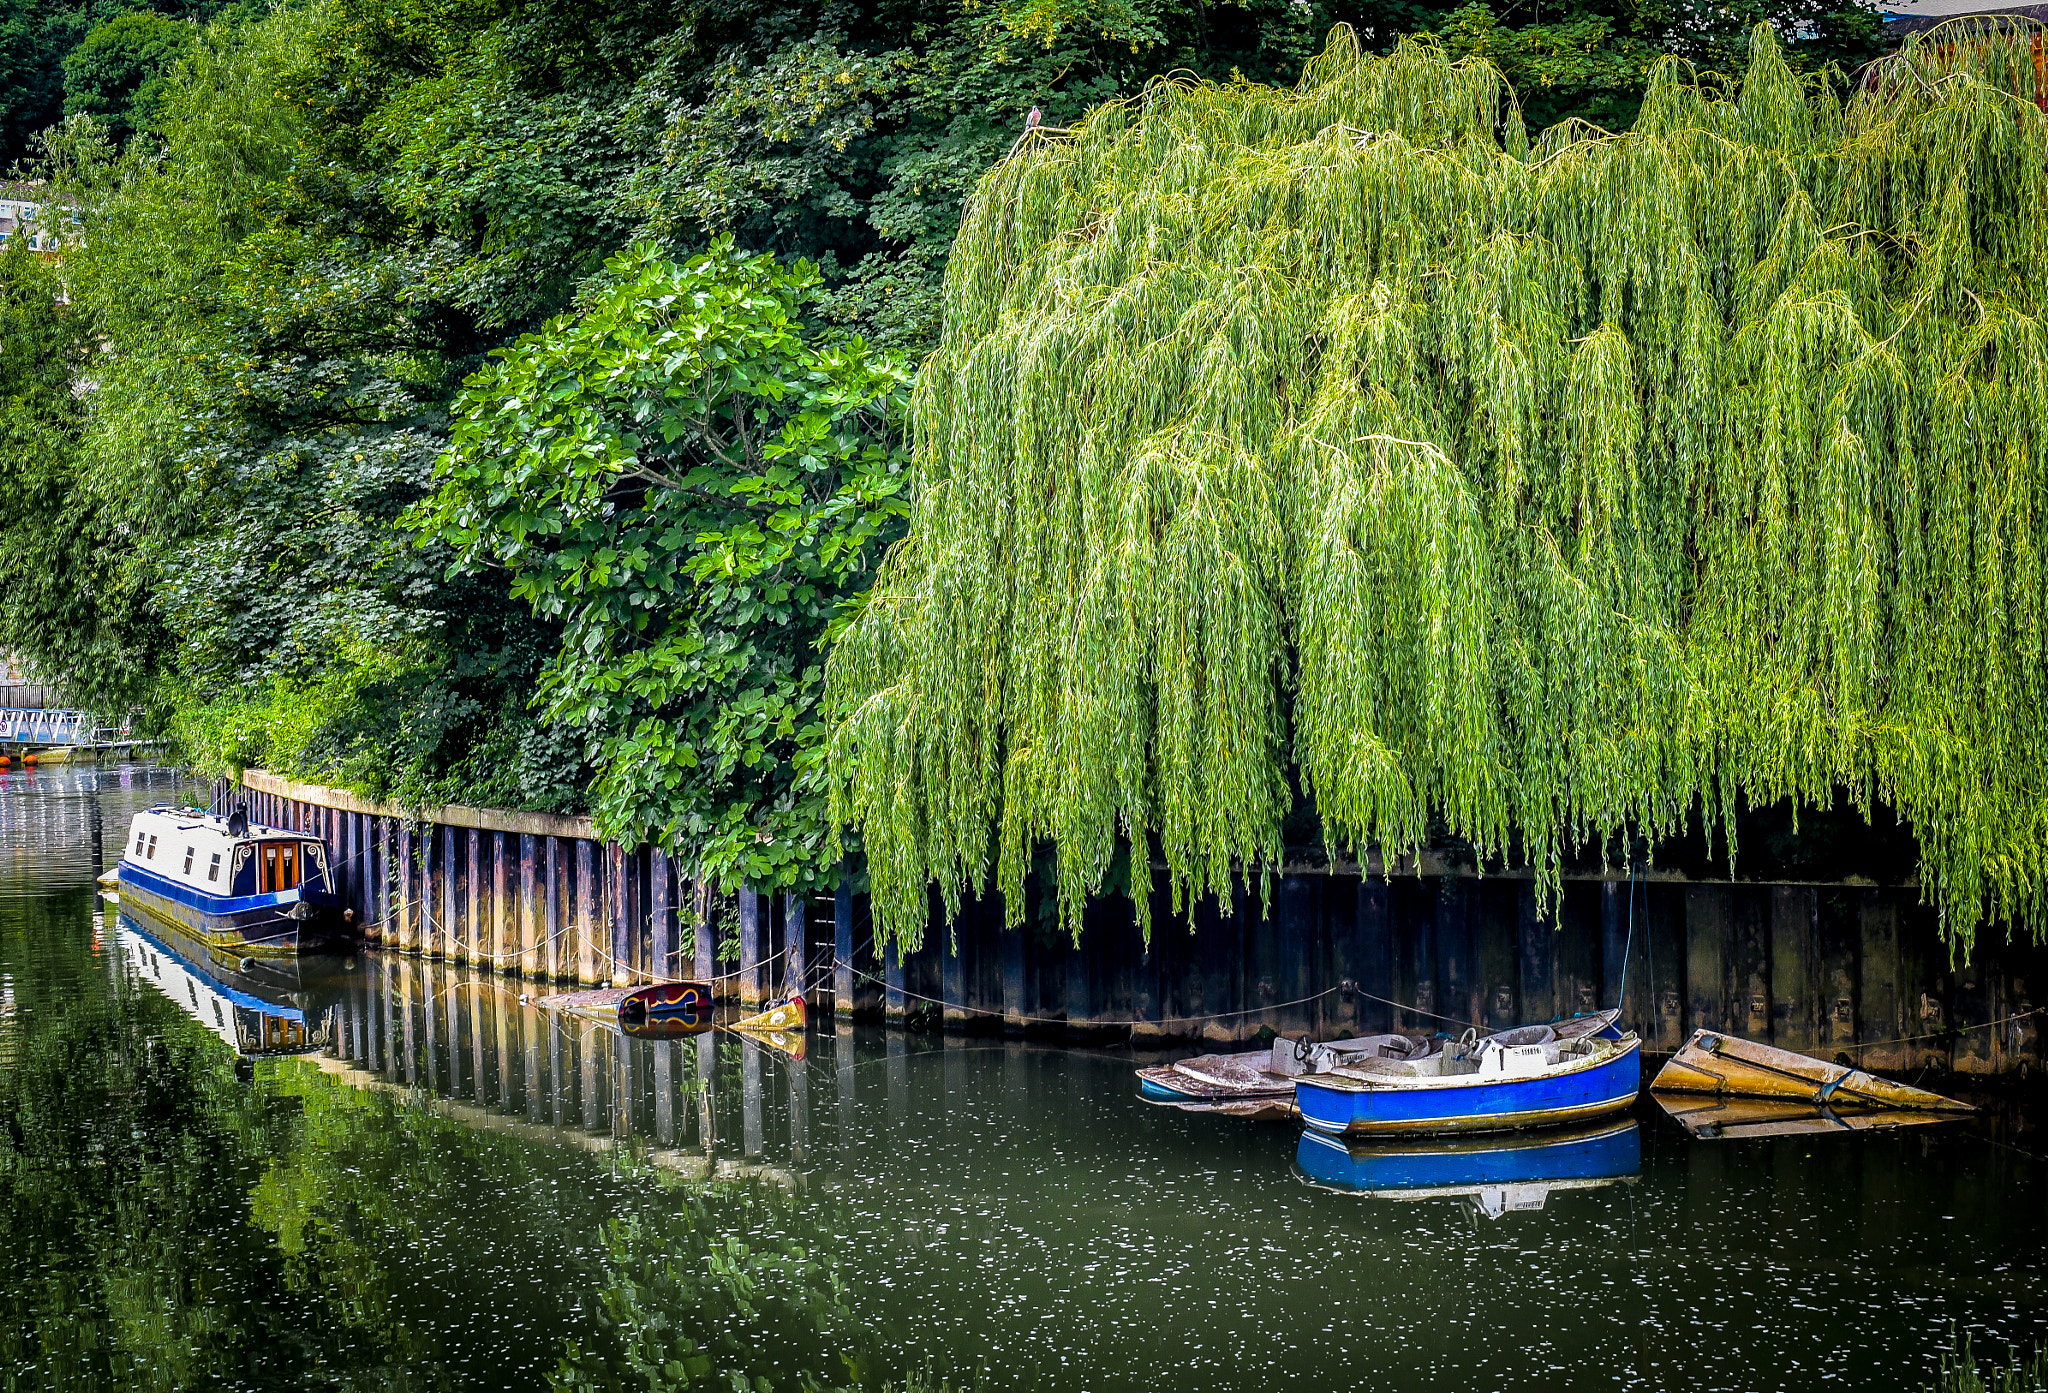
(43, 727)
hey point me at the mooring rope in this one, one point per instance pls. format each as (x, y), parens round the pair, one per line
(1212, 1016)
(1950, 1033)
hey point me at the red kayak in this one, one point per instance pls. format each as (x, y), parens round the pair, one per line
(683, 1003)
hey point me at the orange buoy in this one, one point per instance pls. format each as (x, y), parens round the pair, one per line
(28, 759)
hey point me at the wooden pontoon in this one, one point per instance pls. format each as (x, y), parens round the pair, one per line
(1711, 1062)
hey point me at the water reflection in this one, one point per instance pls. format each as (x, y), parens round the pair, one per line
(257, 1008)
(462, 1190)
(701, 1103)
(53, 820)
(1493, 1175)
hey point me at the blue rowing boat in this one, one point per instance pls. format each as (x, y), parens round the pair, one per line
(1526, 1167)
(1476, 1085)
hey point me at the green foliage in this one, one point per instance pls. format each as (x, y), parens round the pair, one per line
(1960, 1372)
(1580, 66)
(121, 70)
(37, 36)
(1340, 441)
(64, 600)
(689, 482)
(338, 210)
(852, 134)
(267, 406)
(1592, 62)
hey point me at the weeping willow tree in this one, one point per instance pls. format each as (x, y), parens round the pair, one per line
(1345, 440)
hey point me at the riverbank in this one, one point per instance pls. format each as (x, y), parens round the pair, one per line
(1846, 970)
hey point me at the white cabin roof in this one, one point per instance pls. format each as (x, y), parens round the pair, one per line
(195, 848)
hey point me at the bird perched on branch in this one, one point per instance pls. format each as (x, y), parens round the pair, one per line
(1031, 121)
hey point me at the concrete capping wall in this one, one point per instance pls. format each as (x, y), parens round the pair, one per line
(540, 897)
(1845, 971)
(445, 815)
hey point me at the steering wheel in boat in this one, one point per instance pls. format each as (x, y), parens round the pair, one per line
(1304, 1050)
(1469, 1041)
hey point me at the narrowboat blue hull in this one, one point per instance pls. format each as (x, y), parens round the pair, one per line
(1464, 1104)
(286, 922)
(1598, 1151)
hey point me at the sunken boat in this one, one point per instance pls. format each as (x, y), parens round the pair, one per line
(1711, 1062)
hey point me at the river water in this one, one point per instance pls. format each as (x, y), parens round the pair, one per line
(450, 1189)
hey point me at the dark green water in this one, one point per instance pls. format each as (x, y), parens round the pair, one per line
(460, 1191)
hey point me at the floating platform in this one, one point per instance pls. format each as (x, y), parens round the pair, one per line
(1711, 1062)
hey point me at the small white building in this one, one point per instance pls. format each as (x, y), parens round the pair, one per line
(27, 211)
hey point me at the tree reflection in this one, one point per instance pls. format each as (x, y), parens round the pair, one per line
(168, 1226)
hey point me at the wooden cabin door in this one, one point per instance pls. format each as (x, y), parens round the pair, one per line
(280, 867)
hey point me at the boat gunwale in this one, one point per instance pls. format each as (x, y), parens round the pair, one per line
(1424, 1083)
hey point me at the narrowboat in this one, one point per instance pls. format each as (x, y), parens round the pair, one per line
(252, 1025)
(1513, 1079)
(1711, 1062)
(265, 891)
(1499, 1174)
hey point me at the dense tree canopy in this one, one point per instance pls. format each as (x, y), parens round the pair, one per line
(37, 37)
(1344, 442)
(691, 485)
(307, 230)
(121, 70)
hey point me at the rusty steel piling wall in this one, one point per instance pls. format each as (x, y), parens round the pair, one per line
(1854, 972)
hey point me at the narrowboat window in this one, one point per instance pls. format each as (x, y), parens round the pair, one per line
(213, 871)
(188, 861)
(151, 853)
(140, 838)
